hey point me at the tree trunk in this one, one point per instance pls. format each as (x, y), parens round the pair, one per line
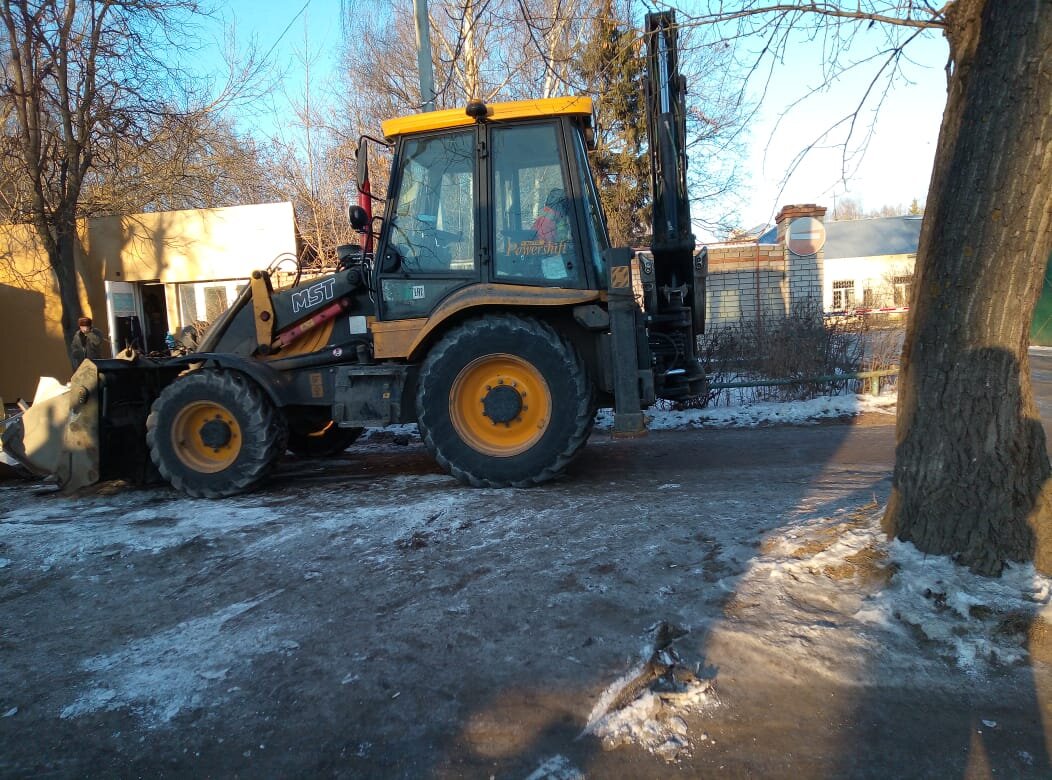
(470, 51)
(62, 258)
(971, 466)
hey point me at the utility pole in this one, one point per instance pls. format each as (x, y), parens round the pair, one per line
(423, 56)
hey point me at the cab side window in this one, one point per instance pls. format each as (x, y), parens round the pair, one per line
(533, 216)
(432, 229)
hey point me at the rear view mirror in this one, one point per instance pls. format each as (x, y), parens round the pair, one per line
(359, 218)
(363, 165)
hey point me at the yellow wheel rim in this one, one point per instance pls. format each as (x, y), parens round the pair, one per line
(206, 437)
(500, 405)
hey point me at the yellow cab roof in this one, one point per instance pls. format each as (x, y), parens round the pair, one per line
(495, 112)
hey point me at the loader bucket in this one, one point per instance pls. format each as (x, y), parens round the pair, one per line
(9, 467)
(58, 435)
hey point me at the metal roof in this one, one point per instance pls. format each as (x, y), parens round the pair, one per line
(769, 235)
(872, 237)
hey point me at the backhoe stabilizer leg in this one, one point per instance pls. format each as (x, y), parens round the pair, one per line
(631, 370)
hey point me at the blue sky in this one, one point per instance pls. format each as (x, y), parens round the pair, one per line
(896, 164)
(894, 169)
(290, 33)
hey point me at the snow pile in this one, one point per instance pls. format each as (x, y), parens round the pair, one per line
(836, 592)
(647, 705)
(756, 414)
(745, 415)
(400, 434)
(981, 622)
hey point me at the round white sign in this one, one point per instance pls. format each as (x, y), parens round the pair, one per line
(805, 236)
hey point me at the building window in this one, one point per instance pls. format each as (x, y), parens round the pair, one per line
(869, 298)
(215, 302)
(902, 286)
(201, 303)
(844, 295)
(187, 304)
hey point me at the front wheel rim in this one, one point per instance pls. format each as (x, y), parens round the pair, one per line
(500, 405)
(190, 442)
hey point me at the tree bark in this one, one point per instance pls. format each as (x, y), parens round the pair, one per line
(63, 263)
(971, 469)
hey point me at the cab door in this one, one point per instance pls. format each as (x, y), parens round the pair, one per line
(548, 227)
(430, 245)
(536, 237)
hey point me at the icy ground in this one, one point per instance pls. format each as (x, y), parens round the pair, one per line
(804, 582)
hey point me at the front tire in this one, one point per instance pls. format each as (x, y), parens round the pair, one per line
(214, 433)
(504, 401)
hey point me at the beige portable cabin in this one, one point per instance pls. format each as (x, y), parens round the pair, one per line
(140, 277)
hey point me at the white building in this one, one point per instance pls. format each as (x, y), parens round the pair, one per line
(864, 266)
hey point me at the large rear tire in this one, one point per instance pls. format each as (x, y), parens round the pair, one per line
(504, 401)
(214, 433)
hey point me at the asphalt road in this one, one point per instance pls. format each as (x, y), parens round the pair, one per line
(369, 617)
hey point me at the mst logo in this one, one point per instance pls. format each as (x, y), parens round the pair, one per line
(313, 295)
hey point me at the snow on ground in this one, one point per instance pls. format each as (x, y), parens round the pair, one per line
(819, 574)
(831, 595)
(755, 414)
(834, 572)
(747, 415)
(823, 589)
(120, 522)
(159, 676)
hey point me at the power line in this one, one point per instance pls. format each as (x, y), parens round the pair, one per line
(285, 31)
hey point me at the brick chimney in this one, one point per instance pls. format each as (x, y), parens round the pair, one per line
(789, 213)
(803, 276)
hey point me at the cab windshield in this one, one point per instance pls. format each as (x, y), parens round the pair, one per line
(597, 240)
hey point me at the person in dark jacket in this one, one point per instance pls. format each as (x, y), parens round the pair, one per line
(87, 342)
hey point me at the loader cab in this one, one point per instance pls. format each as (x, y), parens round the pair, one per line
(501, 197)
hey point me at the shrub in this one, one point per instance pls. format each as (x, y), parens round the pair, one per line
(799, 346)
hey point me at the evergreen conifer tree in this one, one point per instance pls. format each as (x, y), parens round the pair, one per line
(610, 66)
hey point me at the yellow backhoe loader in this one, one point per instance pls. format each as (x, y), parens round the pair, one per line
(491, 311)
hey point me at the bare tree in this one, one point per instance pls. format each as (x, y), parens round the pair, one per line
(319, 190)
(84, 80)
(972, 471)
(521, 49)
(488, 49)
(313, 165)
(195, 160)
(845, 209)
